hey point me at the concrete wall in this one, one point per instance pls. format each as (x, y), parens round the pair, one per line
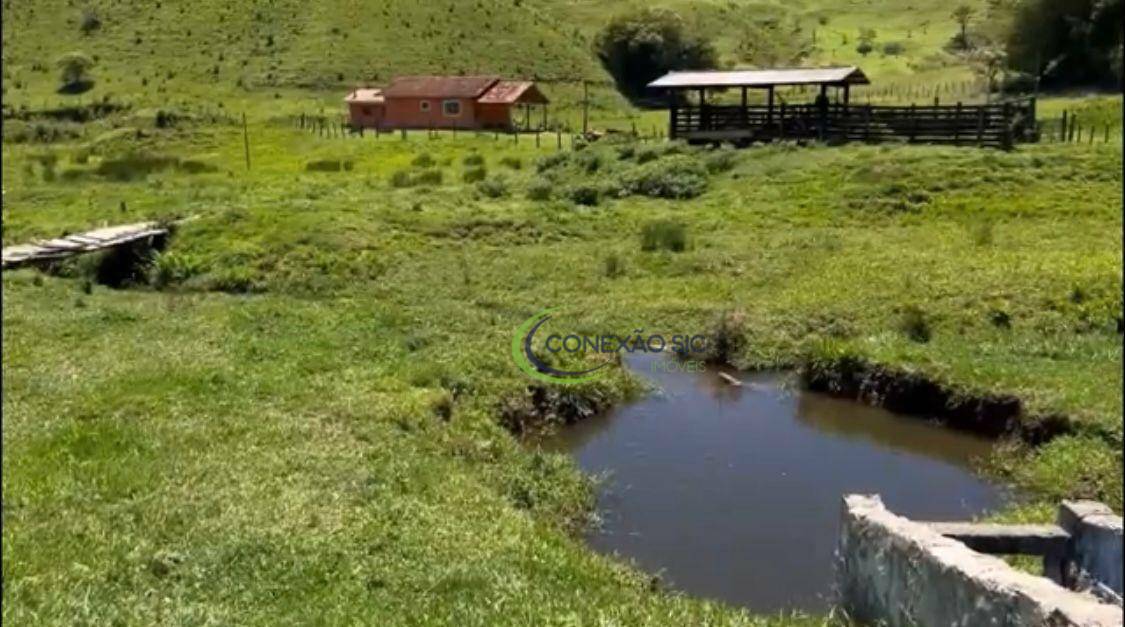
(904, 573)
(1096, 542)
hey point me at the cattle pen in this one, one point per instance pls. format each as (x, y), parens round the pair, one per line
(1000, 124)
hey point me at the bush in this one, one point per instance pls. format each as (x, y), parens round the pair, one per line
(402, 178)
(677, 177)
(864, 48)
(327, 165)
(664, 235)
(423, 160)
(474, 159)
(90, 21)
(540, 189)
(727, 337)
(551, 161)
(589, 162)
(893, 48)
(721, 160)
(511, 162)
(646, 154)
(914, 324)
(638, 47)
(171, 268)
(614, 265)
(428, 177)
(493, 188)
(584, 194)
(475, 175)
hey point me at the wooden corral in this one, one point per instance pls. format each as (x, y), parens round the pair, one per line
(998, 125)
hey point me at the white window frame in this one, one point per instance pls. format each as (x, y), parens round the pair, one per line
(445, 111)
(424, 106)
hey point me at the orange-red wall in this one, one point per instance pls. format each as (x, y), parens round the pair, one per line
(365, 115)
(407, 113)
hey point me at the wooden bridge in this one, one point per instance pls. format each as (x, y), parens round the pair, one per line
(999, 125)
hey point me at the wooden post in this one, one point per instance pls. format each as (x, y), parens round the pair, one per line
(745, 113)
(585, 107)
(1073, 127)
(702, 111)
(672, 111)
(246, 140)
(1007, 126)
(527, 117)
(558, 138)
(867, 123)
(957, 125)
(980, 125)
(769, 107)
(1061, 135)
(913, 122)
(781, 123)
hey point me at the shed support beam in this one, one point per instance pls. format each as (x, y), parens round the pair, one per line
(769, 108)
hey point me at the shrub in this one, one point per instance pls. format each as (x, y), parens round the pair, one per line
(324, 165)
(475, 175)
(589, 162)
(727, 337)
(721, 160)
(171, 268)
(640, 46)
(914, 325)
(678, 177)
(401, 178)
(664, 235)
(432, 176)
(474, 159)
(423, 160)
(646, 154)
(584, 194)
(493, 188)
(511, 162)
(90, 21)
(864, 48)
(893, 48)
(613, 265)
(551, 161)
(540, 189)
(626, 151)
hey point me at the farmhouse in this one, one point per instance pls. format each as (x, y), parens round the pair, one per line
(447, 102)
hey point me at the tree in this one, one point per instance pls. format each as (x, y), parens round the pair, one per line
(866, 41)
(639, 47)
(987, 63)
(1067, 42)
(90, 21)
(75, 67)
(963, 14)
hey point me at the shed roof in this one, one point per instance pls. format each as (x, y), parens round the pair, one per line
(762, 78)
(366, 96)
(439, 86)
(510, 92)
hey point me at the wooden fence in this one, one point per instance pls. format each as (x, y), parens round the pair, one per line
(999, 125)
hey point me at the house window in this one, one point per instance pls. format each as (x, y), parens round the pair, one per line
(424, 106)
(451, 108)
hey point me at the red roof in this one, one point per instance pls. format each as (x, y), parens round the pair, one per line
(439, 86)
(510, 92)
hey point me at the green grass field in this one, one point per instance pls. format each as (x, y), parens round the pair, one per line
(301, 416)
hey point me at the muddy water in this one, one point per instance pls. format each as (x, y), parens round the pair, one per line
(733, 493)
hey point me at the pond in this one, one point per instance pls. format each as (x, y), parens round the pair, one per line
(733, 493)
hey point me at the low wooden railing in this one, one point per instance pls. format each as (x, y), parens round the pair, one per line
(1000, 124)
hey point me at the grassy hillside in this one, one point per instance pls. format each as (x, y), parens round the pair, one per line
(303, 412)
(171, 52)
